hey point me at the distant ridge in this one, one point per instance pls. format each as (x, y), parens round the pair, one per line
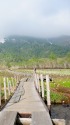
(21, 49)
(61, 40)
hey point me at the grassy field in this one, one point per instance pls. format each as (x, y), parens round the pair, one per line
(26, 71)
(46, 71)
(60, 89)
(60, 72)
(59, 86)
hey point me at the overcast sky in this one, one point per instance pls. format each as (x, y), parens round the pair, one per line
(41, 18)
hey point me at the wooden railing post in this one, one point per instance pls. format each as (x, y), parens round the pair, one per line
(42, 86)
(10, 86)
(9, 93)
(7, 81)
(38, 84)
(15, 81)
(12, 83)
(5, 93)
(48, 92)
(0, 94)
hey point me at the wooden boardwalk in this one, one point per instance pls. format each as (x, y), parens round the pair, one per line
(27, 100)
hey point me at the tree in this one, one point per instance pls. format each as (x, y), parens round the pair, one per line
(53, 59)
(52, 56)
(8, 64)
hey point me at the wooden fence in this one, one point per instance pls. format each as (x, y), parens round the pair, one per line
(39, 84)
(8, 87)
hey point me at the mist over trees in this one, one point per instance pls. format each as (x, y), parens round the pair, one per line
(30, 52)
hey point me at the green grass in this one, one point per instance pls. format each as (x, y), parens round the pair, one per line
(61, 72)
(61, 81)
(57, 97)
(65, 83)
(58, 81)
(30, 71)
(54, 71)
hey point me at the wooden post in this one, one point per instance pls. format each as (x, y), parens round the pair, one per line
(42, 85)
(12, 83)
(38, 84)
(5, 93)
(8, 87)
(0, 94)
(48, 92)
(7, 81)
(15, 80)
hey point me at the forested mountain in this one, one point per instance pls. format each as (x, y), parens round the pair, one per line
(20, 49)
(61, 41)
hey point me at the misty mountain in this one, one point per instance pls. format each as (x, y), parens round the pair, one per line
(61, 41)
(20, 48)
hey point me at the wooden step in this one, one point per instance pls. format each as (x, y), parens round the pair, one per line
(8, 118)
(41, 118)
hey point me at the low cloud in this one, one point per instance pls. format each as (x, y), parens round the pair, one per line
(41, 18)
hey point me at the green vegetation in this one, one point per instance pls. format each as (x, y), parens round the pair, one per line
(59, 91)
(60, 72)
(34, 52)
(11, 79)
(61, 82)
(59, 86)
(57, 97)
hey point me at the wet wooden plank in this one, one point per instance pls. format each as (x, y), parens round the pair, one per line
(8, 118)
(29, 101)
(41, 118)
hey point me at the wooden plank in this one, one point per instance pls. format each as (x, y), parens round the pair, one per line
(8, 118)
(41, 118)
(29, 102)
(17, 95)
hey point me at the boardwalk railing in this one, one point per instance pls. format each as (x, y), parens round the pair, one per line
(7, 87)
(39, 84)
